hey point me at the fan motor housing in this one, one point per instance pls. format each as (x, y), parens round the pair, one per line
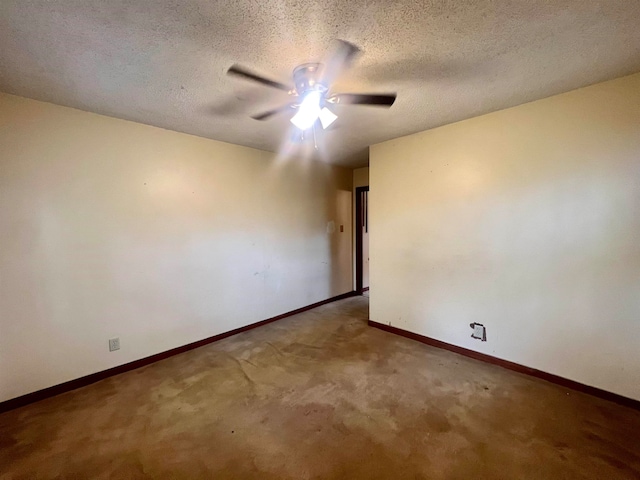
(305, 78)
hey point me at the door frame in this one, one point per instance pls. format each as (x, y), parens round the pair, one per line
(359, 210)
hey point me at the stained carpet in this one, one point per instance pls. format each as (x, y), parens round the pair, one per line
(321, 396)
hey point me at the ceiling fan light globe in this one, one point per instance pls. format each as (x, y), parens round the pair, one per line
(327, 117)
(308, 112)
(303, 121)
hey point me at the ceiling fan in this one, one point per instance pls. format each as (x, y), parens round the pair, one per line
(312, 96)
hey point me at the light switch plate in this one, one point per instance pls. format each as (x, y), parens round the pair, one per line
(114, 344)
(331, 227)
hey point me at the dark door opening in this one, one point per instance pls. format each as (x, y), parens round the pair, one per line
(362, 239)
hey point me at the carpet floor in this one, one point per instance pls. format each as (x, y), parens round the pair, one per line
(321, 395)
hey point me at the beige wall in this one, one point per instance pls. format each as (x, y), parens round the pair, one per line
(526, 220)
(116, 229)
(360, 177)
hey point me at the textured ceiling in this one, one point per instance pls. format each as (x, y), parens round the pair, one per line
(163, 62)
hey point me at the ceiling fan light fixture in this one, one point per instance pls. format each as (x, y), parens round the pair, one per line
(308, 112)
(312, 89)
(327, 117)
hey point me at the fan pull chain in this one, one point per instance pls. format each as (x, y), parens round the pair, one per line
(315, 144)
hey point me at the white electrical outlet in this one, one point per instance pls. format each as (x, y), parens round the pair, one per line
(114, 344)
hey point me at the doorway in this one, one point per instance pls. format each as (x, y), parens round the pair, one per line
(362, 239)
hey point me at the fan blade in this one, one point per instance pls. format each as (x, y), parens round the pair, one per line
(378, 100)
(270, 113)
(242, 72)
(342, 57)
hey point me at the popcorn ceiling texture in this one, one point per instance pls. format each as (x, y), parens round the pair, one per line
(163, 63)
